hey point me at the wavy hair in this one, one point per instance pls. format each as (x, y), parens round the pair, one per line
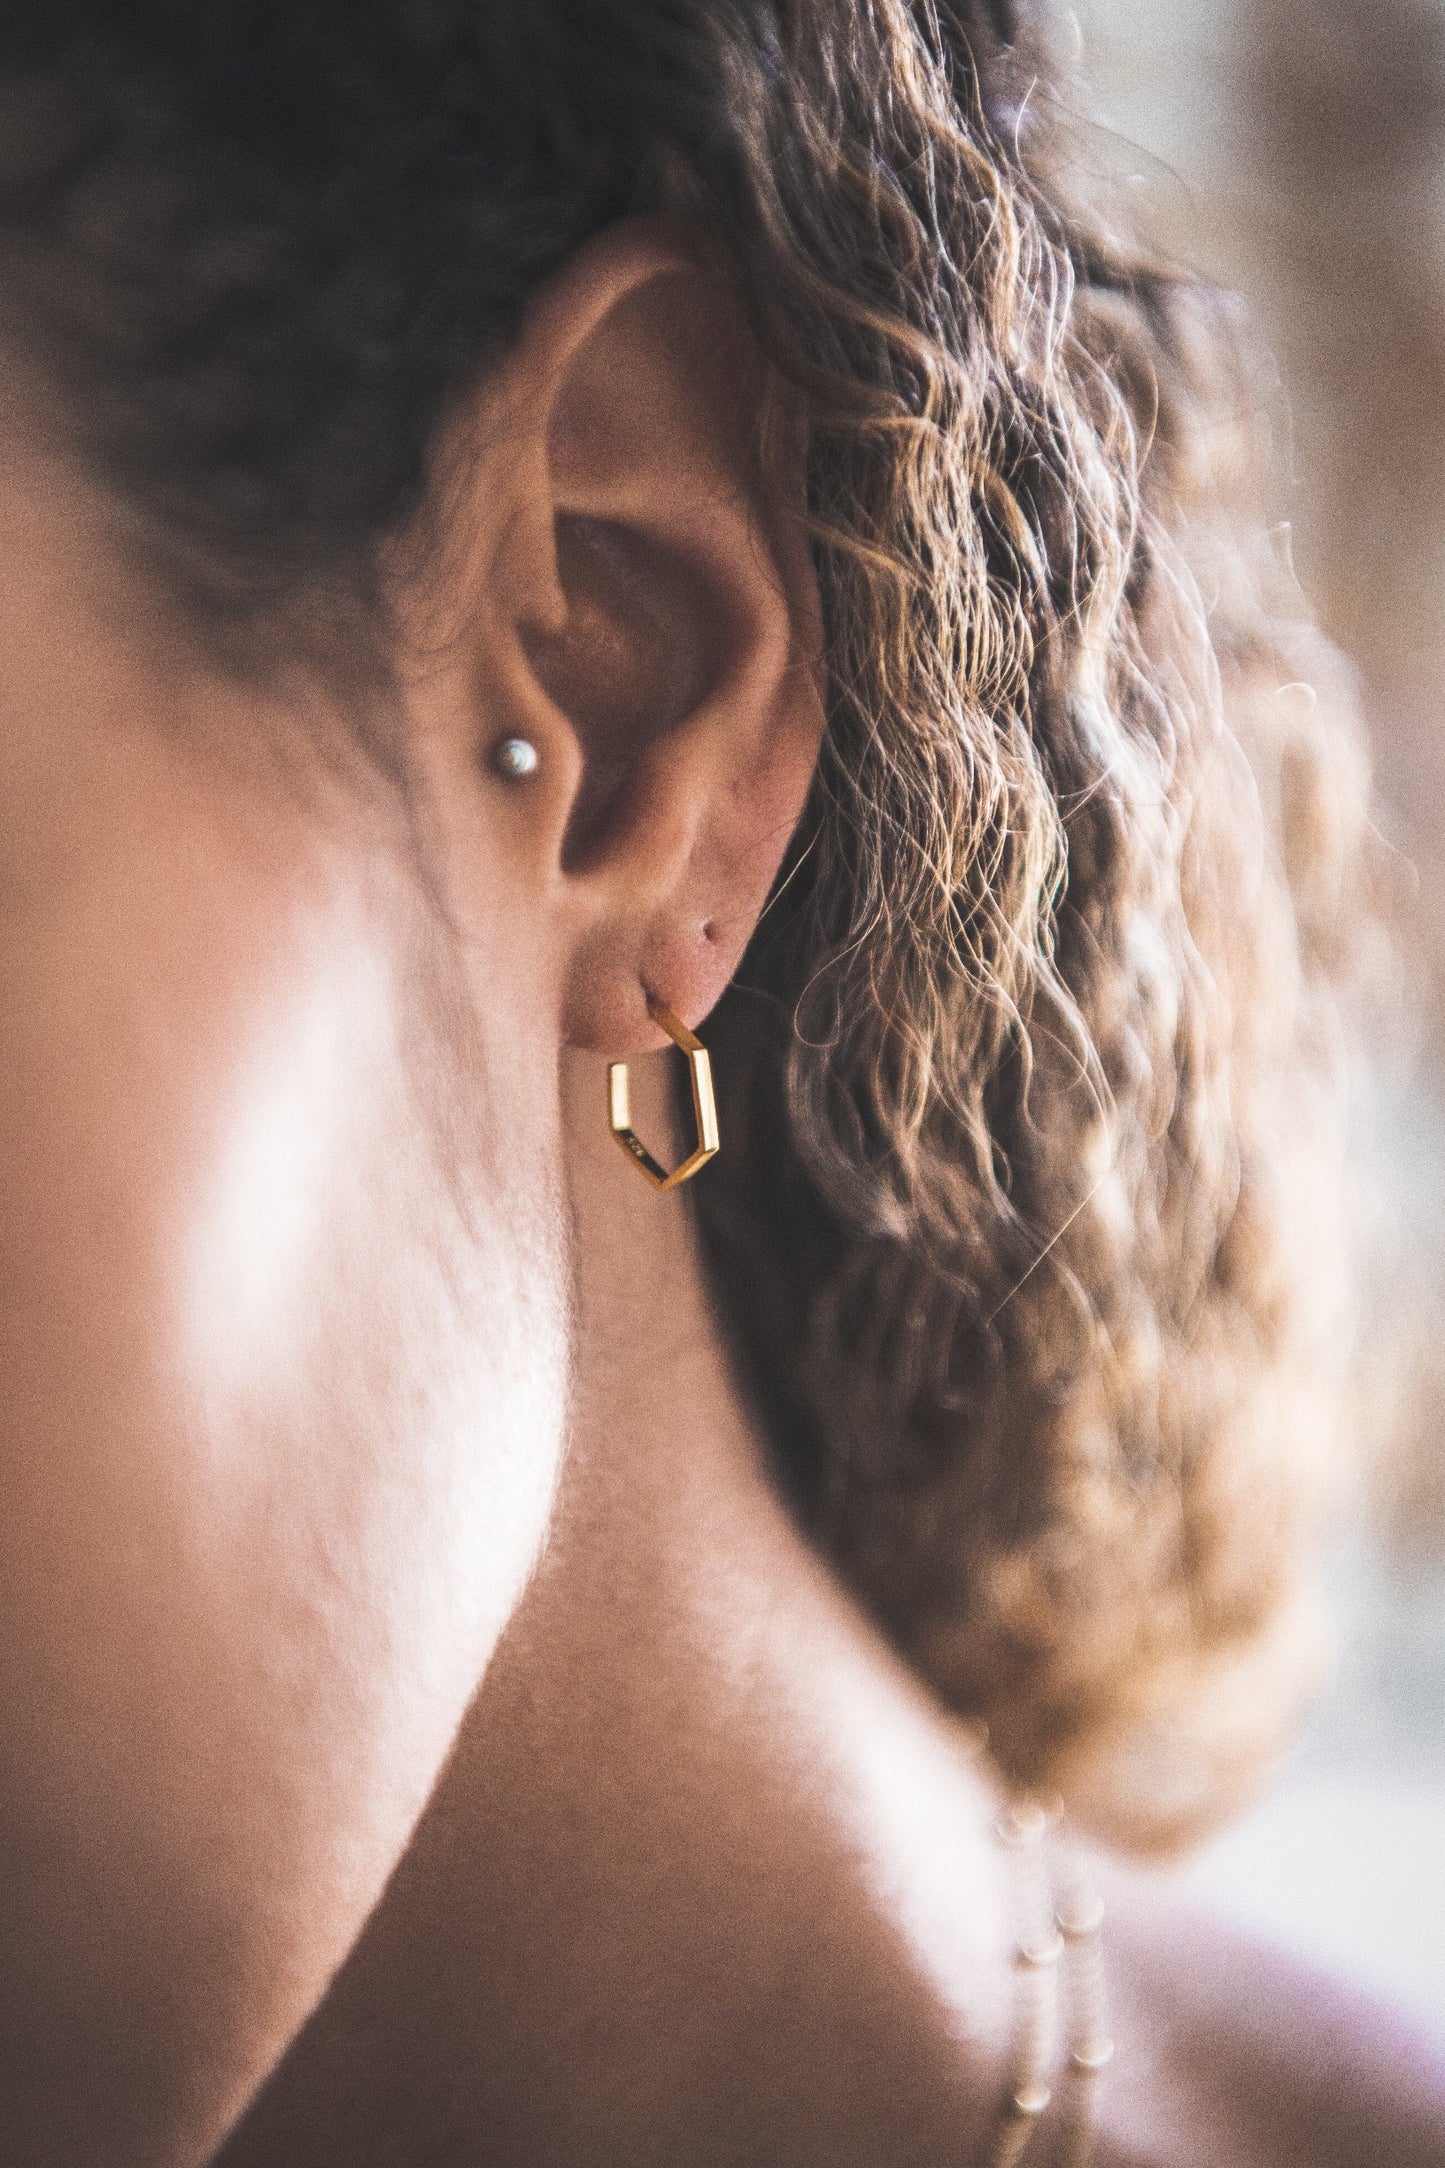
(1036, 1254)
(1029, 1230)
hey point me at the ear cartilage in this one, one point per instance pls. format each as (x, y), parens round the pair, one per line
(515, 759)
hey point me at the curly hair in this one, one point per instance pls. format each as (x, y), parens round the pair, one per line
(1028, 1234)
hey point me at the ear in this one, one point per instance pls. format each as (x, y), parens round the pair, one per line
(641, 606)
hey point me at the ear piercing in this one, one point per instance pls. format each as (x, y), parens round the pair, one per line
(515, 759)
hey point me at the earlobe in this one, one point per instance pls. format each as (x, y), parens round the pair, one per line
(651, 621)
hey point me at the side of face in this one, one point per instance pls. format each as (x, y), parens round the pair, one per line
(284, 1328)
(283, 1338)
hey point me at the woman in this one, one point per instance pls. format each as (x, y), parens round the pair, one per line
(496, 497)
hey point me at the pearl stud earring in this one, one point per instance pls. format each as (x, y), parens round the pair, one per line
(515, 759)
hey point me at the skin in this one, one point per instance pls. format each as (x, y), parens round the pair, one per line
(707, 1902)
(272, 1480)
(283, 1286)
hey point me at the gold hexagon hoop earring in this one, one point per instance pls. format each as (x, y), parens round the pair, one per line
(704, 1106)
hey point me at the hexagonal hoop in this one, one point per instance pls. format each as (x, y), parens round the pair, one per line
(704, 1107)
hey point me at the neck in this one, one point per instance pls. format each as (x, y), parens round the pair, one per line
(705, 1861)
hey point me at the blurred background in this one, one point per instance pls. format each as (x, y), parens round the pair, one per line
(1298, 155)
